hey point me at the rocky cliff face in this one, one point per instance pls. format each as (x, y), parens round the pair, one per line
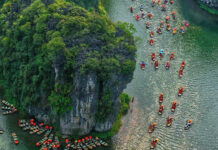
(63, 64)
(210, 3)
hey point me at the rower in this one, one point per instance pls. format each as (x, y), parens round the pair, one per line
(167, 64)
(151, 34)
(151, 42)
(166, 1)
(168, 27)
(148, 24)
(150, 15)
(153, 3)
(171, 2)
(163, 7)
(161, 108)
(161, 98)
(169, 120)
(159, 31)
(182, 29)
(161, 23)
(161, 53)
(172, 56)
(167, 19)
(153, 57)
(156, 64)
(141, 8)
(159, 2)
(143, 15)
(131, 9)
(174, 14)
(137, 17)
(174, 105)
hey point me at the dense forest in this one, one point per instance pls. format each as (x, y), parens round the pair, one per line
(44, 43)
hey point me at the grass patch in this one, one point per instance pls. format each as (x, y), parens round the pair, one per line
(125, 99)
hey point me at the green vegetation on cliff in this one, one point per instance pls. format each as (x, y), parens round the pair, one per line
(213, 11)
(43, 44)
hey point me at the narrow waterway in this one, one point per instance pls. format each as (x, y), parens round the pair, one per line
(199, 48)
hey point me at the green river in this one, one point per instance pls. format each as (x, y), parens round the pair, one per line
(198, 47)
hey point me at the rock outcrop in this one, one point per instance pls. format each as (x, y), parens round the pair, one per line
(64, 65)
(211, 3)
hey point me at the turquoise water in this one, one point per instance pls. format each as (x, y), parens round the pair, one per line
(199, 48)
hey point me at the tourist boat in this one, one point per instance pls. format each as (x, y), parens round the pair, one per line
(15, 139)
(42, 141)
(1, 131)
(6, 108)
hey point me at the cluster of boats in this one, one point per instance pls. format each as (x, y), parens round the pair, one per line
(163, 23)
(143, 15)
(8, 108)
(49, 140)
(85, 143)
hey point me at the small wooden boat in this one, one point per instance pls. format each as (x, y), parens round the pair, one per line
(15, 139)
(6, 108)
(150, 129)
(1, 131)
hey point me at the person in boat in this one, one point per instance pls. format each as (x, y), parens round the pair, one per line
(186, 23)
(150, 15)
(180, 72)
(133, 99)
(172, 56)
(154, 143)
(159, 2)
(189, 122)
(151, 34)
(182, 30)
(148, 24)
(167, 19)
(167, 65)
(163, 7)
(153, 3)
(153, 57)
(183, 64)
(181, 90)
(174, 106)
(174, 31)
(131, 9)
(159, 31)
(166, 1)
(173, 15)
(161, 23)
(143, 15)
(156, 64)
(161, 53)
(171, 2)
(143, 65)
(161, 109)
(161, 98)
(168, 27)
(137, 17)
(169, 121)
(141, 8)
(152, 127)
(151, 42)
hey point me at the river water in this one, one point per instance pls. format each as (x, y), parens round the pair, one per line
(199, 48)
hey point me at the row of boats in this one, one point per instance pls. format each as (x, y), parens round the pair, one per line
(85, 143)
(8, 108)
(50, 141)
